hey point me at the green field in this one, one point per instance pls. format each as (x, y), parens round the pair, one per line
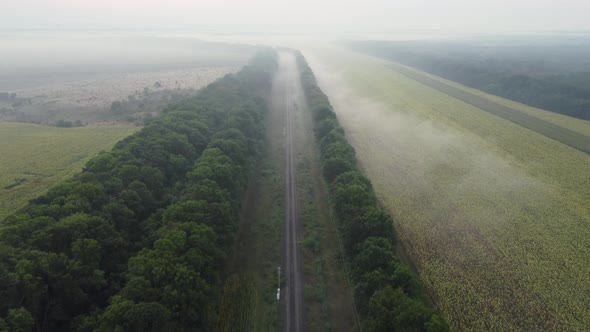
(33, 157)
(493, 216)
(530, 121)
(582, 127)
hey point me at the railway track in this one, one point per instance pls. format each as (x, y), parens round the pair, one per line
(293, 317)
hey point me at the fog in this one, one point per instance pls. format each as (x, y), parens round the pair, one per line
(413, 157)
(65, 39)
(33, 58)
(468, 215)
(40, 49)
(302, 16)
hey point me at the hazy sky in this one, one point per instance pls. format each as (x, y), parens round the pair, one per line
(301, 15)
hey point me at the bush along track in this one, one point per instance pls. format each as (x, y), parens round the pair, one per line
(387, 294)
(137, 240)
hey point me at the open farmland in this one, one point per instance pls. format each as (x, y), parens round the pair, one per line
(53, 77)
(494, 217)
(34, 157)
(573, 124)
(547, 72)
(90, 99)
(559, 133)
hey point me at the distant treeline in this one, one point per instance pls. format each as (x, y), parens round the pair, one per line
(138, 239)
(387, 294)
(544, 77)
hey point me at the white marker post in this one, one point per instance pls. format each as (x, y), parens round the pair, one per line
(279, 286)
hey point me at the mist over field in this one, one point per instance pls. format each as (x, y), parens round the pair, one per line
(263, 165)
(463, 195)
(431, 157)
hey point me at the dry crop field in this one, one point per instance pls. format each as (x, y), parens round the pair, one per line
(494, 217)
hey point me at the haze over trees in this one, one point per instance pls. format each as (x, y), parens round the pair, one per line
(548, 73)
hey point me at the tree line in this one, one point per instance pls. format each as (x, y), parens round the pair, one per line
(137, 240)
(387, 294)
(556, 82)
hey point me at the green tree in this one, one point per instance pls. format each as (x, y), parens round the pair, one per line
(125, 315)
(19, 320)
(374, 222)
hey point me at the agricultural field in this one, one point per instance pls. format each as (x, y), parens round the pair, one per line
(57, 78)
(90, 100)
(494, 217)
(548, 72)
(581, 127)
(34, 157)
(529, 121)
